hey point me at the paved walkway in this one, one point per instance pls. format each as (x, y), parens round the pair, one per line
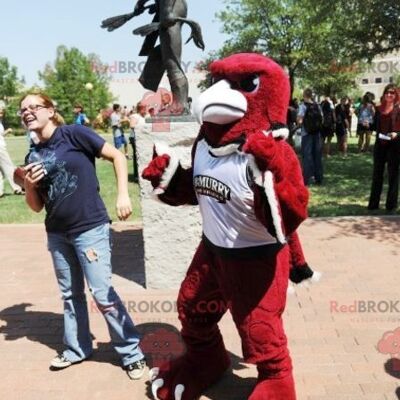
(335, 327)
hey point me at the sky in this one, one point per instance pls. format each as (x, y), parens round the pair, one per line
(31, 31)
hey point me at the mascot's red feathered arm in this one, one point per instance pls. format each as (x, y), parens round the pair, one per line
(171, 182)
(275, 158)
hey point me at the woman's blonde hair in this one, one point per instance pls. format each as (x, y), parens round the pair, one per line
(57, 118)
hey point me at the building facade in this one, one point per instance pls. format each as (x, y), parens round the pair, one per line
(382, 71)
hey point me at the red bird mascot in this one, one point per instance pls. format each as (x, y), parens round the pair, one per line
(248, 184)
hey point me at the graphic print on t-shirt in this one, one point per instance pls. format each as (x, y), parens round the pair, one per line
(212, 187)
(58, 183)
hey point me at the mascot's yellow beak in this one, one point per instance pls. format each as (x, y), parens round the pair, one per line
(220, 104)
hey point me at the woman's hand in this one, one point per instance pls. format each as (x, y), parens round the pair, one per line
(34, 173)
(123, 207)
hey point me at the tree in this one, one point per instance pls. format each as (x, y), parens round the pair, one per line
(10, 86)
(369, 27)
(298, 34)
(67, 82)
(314, 39)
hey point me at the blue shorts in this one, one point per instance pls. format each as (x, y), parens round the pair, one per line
(120, 139)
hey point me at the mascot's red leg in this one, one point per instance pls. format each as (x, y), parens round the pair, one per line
(299, 269)
(200, 307)
(256, 293)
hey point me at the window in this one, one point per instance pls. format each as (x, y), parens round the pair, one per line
(391, 80)
(364, 81)
(378, 80)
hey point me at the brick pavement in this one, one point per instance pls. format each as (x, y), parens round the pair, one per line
(334, 347)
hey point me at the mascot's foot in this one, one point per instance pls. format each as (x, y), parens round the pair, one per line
(304, 273)
(274, 389)
(187, 377)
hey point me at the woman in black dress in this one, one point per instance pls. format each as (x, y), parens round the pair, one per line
(386, 149)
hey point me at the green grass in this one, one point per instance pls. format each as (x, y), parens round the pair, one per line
(347, 184)
(345, 191)
(13, 209)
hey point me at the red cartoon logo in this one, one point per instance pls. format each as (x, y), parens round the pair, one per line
(162, 345)
(390, 344)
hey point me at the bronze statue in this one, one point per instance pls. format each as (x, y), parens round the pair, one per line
(169, 16)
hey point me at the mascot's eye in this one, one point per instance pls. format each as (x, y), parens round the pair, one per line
(250, 84)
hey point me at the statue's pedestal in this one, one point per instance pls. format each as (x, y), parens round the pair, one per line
(171, 234)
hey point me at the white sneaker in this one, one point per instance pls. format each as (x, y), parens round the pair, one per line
(136, 369)
(60, 362)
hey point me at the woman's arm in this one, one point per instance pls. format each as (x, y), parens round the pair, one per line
(34, 173)
(123, 205)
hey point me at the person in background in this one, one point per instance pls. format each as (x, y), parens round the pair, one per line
(136, 120)
(328, 124)
(386, 150)
(291, 119)
(7, 167)
(309, 118)
(342, 125)
(117, 130)
(60, 176)
(349, 113)
(189, 105)
(365, 114)
(124, 112)
(80, 117)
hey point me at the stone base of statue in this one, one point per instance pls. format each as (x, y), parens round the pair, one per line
(170, 234)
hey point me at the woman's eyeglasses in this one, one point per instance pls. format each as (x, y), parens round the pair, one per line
(392, 92)
(33, 108)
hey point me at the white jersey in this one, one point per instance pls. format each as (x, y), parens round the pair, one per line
(226, 200)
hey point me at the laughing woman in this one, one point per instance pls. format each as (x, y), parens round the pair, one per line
(61, 176)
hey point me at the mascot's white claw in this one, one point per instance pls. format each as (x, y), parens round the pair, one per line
(291, 290)
(316, 277)
(155, 386)
(179, 389)
(304, 284)
(153, 373)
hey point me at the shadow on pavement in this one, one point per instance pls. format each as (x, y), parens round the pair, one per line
(37, 326)
(128, 255)
(160, 342)
(381, 229)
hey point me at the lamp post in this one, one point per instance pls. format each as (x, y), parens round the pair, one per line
(89, 88)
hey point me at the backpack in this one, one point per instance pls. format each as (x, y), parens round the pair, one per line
(312, 120)
(327, 113)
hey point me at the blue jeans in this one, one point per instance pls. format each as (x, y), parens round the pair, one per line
(311, 151)
(88, 255)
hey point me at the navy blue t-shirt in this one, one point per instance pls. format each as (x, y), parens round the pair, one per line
(70, 189)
